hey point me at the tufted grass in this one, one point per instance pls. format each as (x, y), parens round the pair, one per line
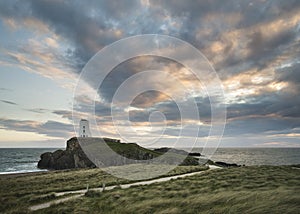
(255, 189)
(19, 191)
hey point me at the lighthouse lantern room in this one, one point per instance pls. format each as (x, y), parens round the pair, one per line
(84, 128)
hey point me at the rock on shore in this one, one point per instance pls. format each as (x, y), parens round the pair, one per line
(72, 157)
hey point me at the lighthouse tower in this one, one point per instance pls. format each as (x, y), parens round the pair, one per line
(84, 128)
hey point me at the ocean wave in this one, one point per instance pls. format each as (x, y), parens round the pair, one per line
(22, 171)
(10, 162)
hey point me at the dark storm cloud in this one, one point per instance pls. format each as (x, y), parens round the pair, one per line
(190, 131)
(169, 109)
(71, 22)
(260, 125)
(128, 68)
(5, 89)
(115, 78)
(145, 99)
(102, 110)
(80, 111)
(38, 110)
(115, 8)
(70, 115)
(64, 114)
(90, 25)
(267, 113)
(262, 48)
(49, 128)
(253, 12)
(173, 111)
(15, 9)
(290, 74)
(286, 131)
(8, 102)
(89, 106)
(257, 11)
(54, 128)
(278, 104)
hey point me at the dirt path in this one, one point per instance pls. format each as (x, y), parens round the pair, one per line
(58, 201)
(123, 186)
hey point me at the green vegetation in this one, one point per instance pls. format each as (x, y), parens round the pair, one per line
(133, 152)
(130, 149)
(18, 192)
(257, 189)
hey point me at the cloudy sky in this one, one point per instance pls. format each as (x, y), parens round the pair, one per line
(254, 46)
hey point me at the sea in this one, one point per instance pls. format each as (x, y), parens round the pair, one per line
(21, 160)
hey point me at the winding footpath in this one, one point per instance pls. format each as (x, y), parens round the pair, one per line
(80, 193)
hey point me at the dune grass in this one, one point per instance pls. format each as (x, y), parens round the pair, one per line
(18, 192)
(255, 189)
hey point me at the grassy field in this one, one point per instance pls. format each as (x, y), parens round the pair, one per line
(255, 189)
(18, 192)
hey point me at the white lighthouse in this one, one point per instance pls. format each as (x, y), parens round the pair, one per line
(84, 128)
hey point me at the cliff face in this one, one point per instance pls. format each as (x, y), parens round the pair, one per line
(72, 157)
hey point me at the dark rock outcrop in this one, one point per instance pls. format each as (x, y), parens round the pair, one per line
(223, 164)
(195, 154)
(177, 151)
(72, 157)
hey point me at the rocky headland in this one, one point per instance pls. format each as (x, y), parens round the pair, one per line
(74, 157)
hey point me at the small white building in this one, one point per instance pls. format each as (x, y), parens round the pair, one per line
(84, 128)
